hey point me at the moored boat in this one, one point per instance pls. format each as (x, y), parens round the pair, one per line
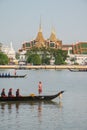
(32, 97)
(78, 70)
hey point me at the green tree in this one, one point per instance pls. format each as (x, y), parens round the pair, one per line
(17, 55)
(3, 59)
(64, 54)
(46, 54)
(60, 56)
(59, 60)
(34, 59)
(46, 60)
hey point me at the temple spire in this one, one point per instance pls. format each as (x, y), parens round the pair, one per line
(11, 46)
(53, 35)
(53, 31)
(40, 26)
(40, 37)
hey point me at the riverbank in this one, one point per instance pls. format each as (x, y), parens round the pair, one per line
(43, 67)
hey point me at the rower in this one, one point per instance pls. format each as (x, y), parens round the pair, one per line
(2, 74)
(17, 93)
(3, 93)
(10, 93)
(8, 74)
(5, 74)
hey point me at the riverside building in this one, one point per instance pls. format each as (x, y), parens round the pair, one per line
(78, 51)
(40, 41)
(9, 51)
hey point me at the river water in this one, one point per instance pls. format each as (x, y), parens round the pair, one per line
(67, 113)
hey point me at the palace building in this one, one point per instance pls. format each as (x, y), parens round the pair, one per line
(54, 42)
(40, 41)
(76, 51)
(80, 48)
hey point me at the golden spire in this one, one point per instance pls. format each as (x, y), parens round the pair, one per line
(53, 35)
(40, 27)
(40, 37)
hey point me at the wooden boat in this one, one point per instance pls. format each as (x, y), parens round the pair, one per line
(32, 97)
(12, 76)
(78, 70)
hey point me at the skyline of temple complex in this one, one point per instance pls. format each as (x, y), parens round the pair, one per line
(53, 42)
(40, 41)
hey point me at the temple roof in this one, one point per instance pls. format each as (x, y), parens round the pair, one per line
(40, 37)
(39, 44)
(53, 36)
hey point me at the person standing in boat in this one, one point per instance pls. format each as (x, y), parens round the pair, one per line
(18, 93)
(40, 87)
(10, 93)
(3, 93)
(15, 72)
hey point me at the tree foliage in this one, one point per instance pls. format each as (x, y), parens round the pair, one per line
(46, 60)
(59, 60)
(3, 59)
(45, 55)
(60, 57)
(34, 59)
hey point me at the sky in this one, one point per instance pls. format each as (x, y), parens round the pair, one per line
(20, 20)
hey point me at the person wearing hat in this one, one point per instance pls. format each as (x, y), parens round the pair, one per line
(3, 93)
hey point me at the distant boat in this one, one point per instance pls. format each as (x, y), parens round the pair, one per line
(78, 70)
(13, 76)
(32, 97)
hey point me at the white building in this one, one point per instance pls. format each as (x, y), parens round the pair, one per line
(80, 59)
(22, 57)
(9, 51)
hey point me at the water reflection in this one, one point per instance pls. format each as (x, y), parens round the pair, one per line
(30, 111)
(4, 105)
(40, 111)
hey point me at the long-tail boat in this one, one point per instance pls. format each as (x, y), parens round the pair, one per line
(12, 76)
(32, 97)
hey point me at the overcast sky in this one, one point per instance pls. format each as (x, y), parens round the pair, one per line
(20, 19)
